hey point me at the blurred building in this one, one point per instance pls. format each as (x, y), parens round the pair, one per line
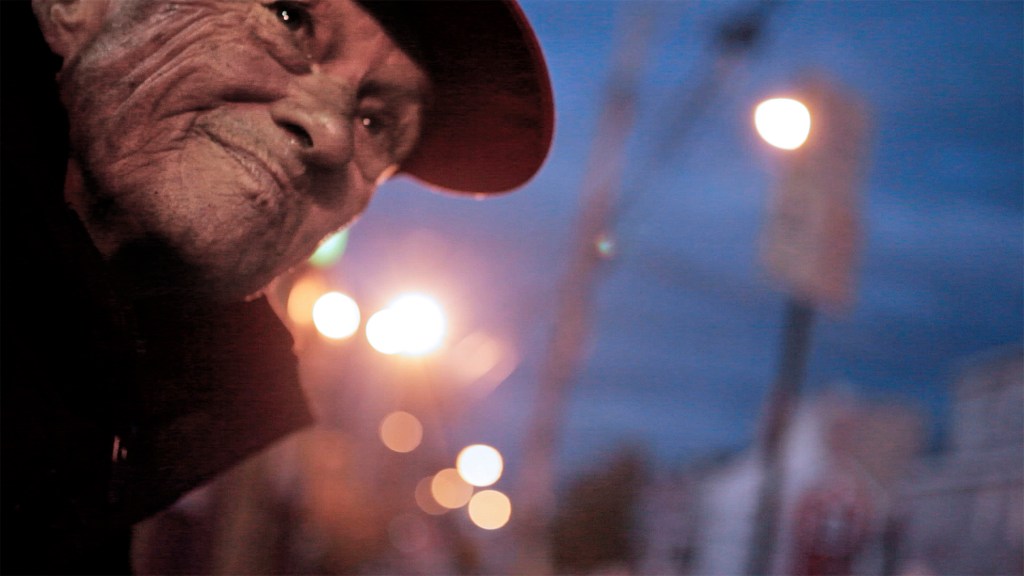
(858, 495)
(669, 520)
(844, 460)
(966, 508)
(680, 537)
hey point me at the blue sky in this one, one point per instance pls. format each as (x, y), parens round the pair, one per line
(686, 322)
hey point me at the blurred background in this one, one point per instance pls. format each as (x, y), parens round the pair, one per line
(681, 349)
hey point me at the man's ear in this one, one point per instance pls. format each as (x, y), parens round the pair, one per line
(68, 25)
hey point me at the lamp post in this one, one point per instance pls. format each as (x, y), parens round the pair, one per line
(809, 247)
(785, 124)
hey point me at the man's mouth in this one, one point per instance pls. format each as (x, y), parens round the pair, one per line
(271, 176)
(265, 172)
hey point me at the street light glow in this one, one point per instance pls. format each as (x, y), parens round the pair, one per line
(450, 490)
(336, 315)
(783, 122)
(413, 325)
(401, 431)
(479, 464)
(383, 331)
(490, 509)
(425, 497)
(303, 297)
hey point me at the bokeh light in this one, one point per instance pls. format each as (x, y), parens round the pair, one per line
(475, 355)
(330, 250)
(783, 122)
(449, 489)
(479, 464)
(413, 324)
(336, 315)
(605, 245)
(425, 497)
(383, 332)
(490, 509)
(422, 321)
(401, 431)
(303, 296)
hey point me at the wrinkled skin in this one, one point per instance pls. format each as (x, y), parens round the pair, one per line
(223, 139)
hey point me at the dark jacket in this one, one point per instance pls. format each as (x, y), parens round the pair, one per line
(111, 409)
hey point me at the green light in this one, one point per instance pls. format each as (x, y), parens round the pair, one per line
(605, 246)
(330, 250)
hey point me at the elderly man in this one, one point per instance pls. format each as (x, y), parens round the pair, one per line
(189, 152)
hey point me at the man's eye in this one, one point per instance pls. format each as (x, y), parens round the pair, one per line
(293, 15)
(374, 124)
(387, 128)
(385, 131)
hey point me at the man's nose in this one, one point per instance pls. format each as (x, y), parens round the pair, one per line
(318, 113)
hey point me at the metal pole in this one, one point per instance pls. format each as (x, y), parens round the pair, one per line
(780, 406)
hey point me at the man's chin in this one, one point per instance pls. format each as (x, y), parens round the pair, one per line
(152, 269)
(228, 285)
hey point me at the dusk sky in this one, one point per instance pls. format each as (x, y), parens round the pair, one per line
(686, 320)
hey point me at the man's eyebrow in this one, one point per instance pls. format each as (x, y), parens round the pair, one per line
(399, 93)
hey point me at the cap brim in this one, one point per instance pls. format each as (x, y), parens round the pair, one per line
(491, 117)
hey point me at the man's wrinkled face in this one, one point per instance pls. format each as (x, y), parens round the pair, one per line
(236, 134)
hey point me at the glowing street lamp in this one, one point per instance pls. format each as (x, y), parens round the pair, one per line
(302, 297)
(450, 490)
(783, 122)
(479, 464)
(401, 431)
(412, 325)
(490, 509)
(336, 315)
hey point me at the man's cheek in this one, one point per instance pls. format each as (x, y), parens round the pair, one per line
(138, 159)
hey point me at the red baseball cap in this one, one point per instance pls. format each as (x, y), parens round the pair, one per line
(490, 121)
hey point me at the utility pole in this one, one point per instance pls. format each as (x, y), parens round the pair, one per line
(599, 199)
(600, 208)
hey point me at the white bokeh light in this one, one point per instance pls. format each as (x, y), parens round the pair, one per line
(783, 122)
(413, 324)
(479, 465)
(384, 332)
(336, 315)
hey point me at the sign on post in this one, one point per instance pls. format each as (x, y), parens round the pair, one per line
(810, 239)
